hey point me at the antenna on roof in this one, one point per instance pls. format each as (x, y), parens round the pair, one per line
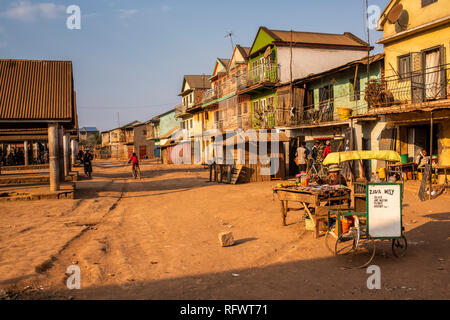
(230, 34)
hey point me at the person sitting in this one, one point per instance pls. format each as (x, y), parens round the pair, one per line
(334, 176)
(422, 159)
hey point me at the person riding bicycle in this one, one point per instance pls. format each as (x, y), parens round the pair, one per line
(134, 161)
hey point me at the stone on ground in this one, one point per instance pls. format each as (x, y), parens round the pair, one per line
(226, 239)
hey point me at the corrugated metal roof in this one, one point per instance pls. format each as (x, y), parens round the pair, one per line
(36, 90)
(90, 129)
(198, 81)
(363, 61)
(346, 39)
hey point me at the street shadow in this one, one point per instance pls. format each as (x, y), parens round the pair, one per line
(304, 278)
(134, 188)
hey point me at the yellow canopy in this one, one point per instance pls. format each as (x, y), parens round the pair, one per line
(338, 157)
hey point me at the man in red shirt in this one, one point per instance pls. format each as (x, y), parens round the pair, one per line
(135, 164)
(327, 149)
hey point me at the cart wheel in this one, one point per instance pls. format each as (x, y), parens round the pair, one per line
(362, 254)
(344, 245)
(399, 246)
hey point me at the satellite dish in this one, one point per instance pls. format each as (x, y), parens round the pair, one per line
(395, 13)
(402, 22)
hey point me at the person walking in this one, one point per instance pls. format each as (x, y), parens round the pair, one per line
(301, 155)
(87, 162)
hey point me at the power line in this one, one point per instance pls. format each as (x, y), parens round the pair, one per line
(127, 107)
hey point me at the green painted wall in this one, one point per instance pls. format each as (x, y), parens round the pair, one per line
(262, 39)
(167, 122)
(257, 97)
(342, 88)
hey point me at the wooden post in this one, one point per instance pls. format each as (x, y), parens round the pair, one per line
(53, 156)
(431, 150)
(66, 148)
(25, 153)
(73, 151)
(61, 153)
(283, 212)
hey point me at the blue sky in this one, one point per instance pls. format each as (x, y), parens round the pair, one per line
(130, 55)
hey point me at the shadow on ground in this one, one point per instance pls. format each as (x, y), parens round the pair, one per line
(413, 276)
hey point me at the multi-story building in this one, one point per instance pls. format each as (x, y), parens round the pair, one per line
(323, 103)
(160, 128)
(128, 139)
(191, 113)
(88, 137)
(277, 57)
(410, 104)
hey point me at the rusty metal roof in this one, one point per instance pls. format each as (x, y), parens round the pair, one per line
(345, 39)
(36, 90)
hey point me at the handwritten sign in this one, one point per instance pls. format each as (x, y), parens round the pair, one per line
(385, 210)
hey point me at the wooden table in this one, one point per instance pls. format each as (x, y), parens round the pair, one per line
(320, 201)
(404, 167)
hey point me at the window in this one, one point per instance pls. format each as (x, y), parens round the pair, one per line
(245, 107)
(144, 132)
(192, 124)
(190, 98)
(270, 102)
(256, 106)
(427, 2)
(206, 116)
(263, 104)
(326, 95)
(254, 68)
(354, 93)
(404, 67)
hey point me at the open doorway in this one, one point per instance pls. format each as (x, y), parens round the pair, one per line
(418, 138)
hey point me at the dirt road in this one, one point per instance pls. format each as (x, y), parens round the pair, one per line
(157, 239)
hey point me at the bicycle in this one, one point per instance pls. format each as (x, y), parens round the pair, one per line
(136, 171)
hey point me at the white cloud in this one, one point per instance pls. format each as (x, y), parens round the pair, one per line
(25, 10)
(126, 13)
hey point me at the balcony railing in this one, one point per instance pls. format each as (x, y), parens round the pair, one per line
(218, 125)
(418, 86)
(262, 74)
(210, 95)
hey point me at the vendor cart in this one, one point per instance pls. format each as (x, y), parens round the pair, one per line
(381, 221)
(376, 216)
(316, 201)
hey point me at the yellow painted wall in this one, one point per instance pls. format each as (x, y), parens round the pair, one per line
(416, 43)
(418, 15)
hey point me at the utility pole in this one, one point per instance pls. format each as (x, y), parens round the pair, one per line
(368, 47)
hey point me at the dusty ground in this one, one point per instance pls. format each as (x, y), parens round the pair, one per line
(157, 239)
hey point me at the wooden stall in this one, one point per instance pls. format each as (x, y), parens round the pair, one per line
(315, 201)
(254, 168)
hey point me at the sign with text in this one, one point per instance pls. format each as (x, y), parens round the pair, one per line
(384, 208)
